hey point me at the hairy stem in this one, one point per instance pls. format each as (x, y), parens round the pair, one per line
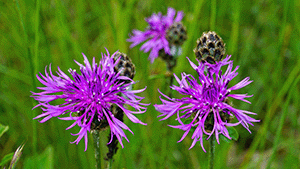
(211, 152)
(96, 137)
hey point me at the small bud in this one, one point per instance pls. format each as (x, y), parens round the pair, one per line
(210, 47)
(176, 34)
(126, 64)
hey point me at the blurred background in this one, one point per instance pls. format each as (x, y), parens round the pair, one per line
(261, 35)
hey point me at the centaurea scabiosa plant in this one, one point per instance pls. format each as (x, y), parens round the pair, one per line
(88, 97)
(164, 33)
(205, 101)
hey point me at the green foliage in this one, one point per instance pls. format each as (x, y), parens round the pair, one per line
(16, 157)
(7, 158)
(3, 129)
(232, 133)
(263, 38)
(13, 157)
(43, 160)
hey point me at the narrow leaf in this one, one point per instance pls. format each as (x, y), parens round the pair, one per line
(233, 133)
(3, 129)
(16, 156)
(156, 76)
(227, 140)
(6, 159)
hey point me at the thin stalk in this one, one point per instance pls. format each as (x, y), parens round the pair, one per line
(169, 75)
(211, 152)
(37, 37)
(171, 83)
(213, 11)
(232, 48)
(31, 63)
(35, 62)
(96, 137)
(110, 161)
(171, 63)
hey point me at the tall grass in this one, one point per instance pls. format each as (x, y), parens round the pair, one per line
(263, 37)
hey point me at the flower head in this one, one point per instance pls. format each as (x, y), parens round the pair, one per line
(206, 101)
(156, 32)
(88, 97)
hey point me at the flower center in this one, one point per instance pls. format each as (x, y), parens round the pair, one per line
(210, 94)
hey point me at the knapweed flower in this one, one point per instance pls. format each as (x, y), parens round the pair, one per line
(157, 32)
(206, 102)
(88, 97)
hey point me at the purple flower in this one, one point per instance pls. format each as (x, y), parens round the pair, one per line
(156, 32)
(88, 97)
(206, 101)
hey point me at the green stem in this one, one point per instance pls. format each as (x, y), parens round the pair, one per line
(96, 137)
(37, 37)
(213, 14)
(211, 152)
(235, 27)
(170, 65)
(171, 83)
(110, 161)
(35, 62)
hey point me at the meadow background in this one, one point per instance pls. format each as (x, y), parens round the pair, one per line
(263, 37)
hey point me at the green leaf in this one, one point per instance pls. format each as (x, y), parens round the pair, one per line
(3, 129)
(233, 133)
(156, 76)
(187, 121)
(44, 160)
(227, 140)
(6, 159)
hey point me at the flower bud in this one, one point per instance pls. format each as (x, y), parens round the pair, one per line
(210, 47)
(124, 63)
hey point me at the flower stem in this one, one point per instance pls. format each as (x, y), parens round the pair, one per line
(96, 137)
(171, 65)
(110, 161)
(171, 83)
(211, 152)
